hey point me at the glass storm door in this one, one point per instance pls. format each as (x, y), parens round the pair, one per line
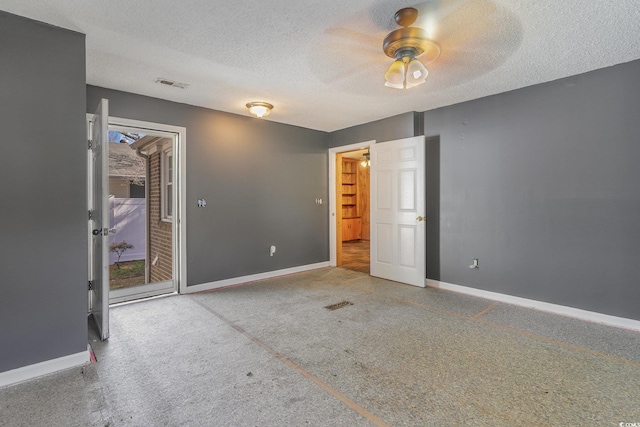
(99, 216)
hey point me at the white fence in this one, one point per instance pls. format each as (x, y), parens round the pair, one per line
(127, 216)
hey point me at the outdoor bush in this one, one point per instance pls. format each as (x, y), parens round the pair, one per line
(120, 248)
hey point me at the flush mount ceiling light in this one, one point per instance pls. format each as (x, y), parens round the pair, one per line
(259, 109)
(406, 45)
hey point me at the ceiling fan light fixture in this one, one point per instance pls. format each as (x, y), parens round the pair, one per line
(394, 77)
(416, 73)
(259, 109)
(405, 45)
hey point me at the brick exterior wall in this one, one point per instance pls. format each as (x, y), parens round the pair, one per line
(160, 232)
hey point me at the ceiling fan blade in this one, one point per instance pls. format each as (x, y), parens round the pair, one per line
(480, 22)
(460, 67)
(331, 67)
(351, 72)
(471, 61)
(353, 35)
(346, 53)
(474, 37)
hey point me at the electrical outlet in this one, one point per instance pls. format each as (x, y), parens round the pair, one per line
(272, 250)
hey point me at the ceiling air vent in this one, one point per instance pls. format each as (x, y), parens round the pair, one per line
(168, 82)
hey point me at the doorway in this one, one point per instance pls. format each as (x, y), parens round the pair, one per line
(397, 208)
(141, 213)
(350, 232)
(144, 195)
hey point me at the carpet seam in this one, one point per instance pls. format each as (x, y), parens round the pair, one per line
(323, 385)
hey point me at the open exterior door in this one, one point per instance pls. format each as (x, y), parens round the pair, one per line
(99, 218)
(398, 230)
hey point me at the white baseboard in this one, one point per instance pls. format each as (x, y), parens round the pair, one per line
(252, 278)
(562, 310)
(47, 367)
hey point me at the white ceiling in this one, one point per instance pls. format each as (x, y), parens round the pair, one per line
(320, 63)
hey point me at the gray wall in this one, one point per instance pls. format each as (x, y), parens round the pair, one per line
(43, 249)
(542, 185)
(397, 127)
(260, 180)
(432, 177)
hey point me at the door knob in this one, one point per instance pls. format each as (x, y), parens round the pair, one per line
(103, 231)
(421, 218)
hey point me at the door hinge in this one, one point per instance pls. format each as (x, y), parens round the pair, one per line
(89, 144)
(90, 285)
(90, 215)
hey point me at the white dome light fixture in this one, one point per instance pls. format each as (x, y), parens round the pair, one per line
(406, 45)
(259, 109)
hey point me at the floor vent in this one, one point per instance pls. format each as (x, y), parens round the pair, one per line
(338, 305)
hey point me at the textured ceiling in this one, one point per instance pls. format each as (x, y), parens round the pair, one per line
(320, 63)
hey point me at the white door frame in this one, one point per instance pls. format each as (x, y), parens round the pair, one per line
(180, 221)
(333, 203)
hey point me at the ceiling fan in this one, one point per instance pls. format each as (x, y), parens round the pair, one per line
(406, 45)
(458, 40)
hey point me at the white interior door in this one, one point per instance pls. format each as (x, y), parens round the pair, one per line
(99, 218)
(398, 232)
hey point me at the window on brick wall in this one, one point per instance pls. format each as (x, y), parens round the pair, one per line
(166, 197)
